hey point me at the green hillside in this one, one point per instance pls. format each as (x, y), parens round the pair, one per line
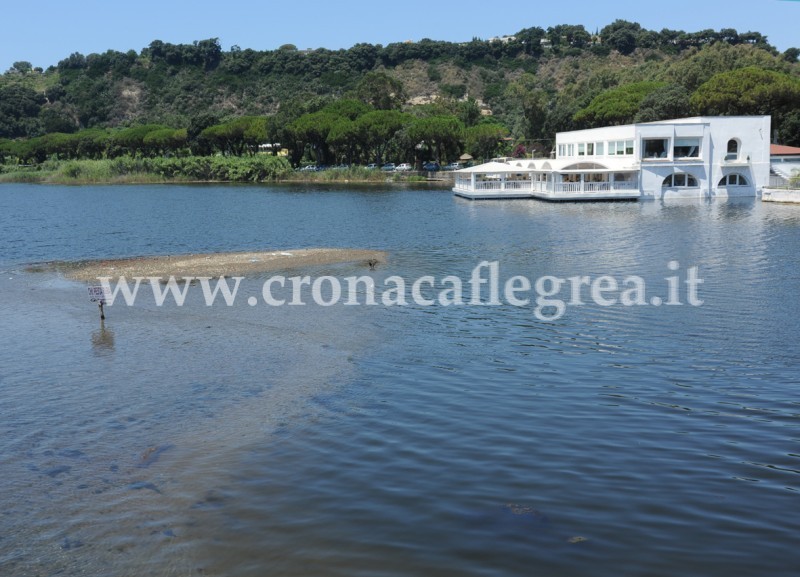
(401, 102)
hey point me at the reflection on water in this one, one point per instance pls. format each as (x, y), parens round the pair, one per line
(355, 440)
(103, 339)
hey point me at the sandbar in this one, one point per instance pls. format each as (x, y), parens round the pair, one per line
(212, 264)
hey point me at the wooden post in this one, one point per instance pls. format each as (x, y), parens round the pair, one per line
(102, 313)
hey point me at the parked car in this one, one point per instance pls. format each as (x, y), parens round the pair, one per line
(404, 167)
(431, 166)
(453, 166)
(388, 167)
(371, 166)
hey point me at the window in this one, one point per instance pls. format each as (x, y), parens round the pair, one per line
(590, 149)
(733, 150)
(566, 150)
(686, 148)
(600, 148)
(654, 148)
(733, 180)
(680, 180)
(581, 149)
(620, 147)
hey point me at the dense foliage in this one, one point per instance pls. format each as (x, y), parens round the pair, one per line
(404, 102)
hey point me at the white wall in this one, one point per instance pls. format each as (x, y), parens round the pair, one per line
(752, 132)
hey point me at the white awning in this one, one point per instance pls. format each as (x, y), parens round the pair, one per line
(565, 166)
(493, 168)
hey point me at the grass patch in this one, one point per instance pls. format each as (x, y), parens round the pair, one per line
(130, 170)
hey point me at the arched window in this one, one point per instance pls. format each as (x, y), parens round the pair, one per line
(733, 180)
(733, 150)
(680, 181)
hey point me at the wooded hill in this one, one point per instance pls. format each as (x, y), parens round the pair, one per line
(402, 102)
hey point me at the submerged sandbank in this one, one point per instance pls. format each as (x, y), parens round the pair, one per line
(211, 264)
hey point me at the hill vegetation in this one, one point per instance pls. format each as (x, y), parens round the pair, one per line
(404, 102)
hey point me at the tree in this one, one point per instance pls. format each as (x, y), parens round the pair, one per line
(7, 150)
(131, 140)
(362, 57)
(237, 136)
(166, 140)
(616, 106)
(568, 36)
(380, 91)
(621, 36)
(93, 142)
(533, 104)
(484, 140)
(197, 125)
(748, 91)
(313, 129)
(21, 67)
(791, 55)
(348, 108)
(343, 138)
(19, 111)
(671, 101)
(281, 125)
(439, 136)
(699, 66)
(58, 117)
(377, 129)
(789, 129)
(531, 40)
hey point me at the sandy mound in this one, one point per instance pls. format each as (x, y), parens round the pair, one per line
(212, 265)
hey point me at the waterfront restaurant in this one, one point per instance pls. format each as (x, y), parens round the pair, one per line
(701, 157)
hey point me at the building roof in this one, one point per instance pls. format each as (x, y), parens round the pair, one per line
(558, 165)
(781, 150)
(490, 168)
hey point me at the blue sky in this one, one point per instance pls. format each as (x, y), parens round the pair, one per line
(47, 31)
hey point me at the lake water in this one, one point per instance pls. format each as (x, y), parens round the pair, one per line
(408, 440)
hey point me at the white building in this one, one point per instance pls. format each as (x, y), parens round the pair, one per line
(785, 164)
(702, 157)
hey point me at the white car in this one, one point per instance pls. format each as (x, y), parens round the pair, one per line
(404, 167)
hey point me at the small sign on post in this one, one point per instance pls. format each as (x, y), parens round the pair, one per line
(98, 294)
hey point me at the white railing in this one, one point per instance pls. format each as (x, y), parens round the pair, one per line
(466, 185)
(777, 181)
(519, 185)
(568, 187)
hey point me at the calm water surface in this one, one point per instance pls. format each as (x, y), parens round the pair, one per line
(355, 440)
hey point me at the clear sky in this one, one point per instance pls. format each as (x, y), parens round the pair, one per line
(46, 31)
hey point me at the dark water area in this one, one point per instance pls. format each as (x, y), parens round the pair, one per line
(405, 440)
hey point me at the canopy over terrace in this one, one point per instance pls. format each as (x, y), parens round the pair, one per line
(494, 180)
(550, 179)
